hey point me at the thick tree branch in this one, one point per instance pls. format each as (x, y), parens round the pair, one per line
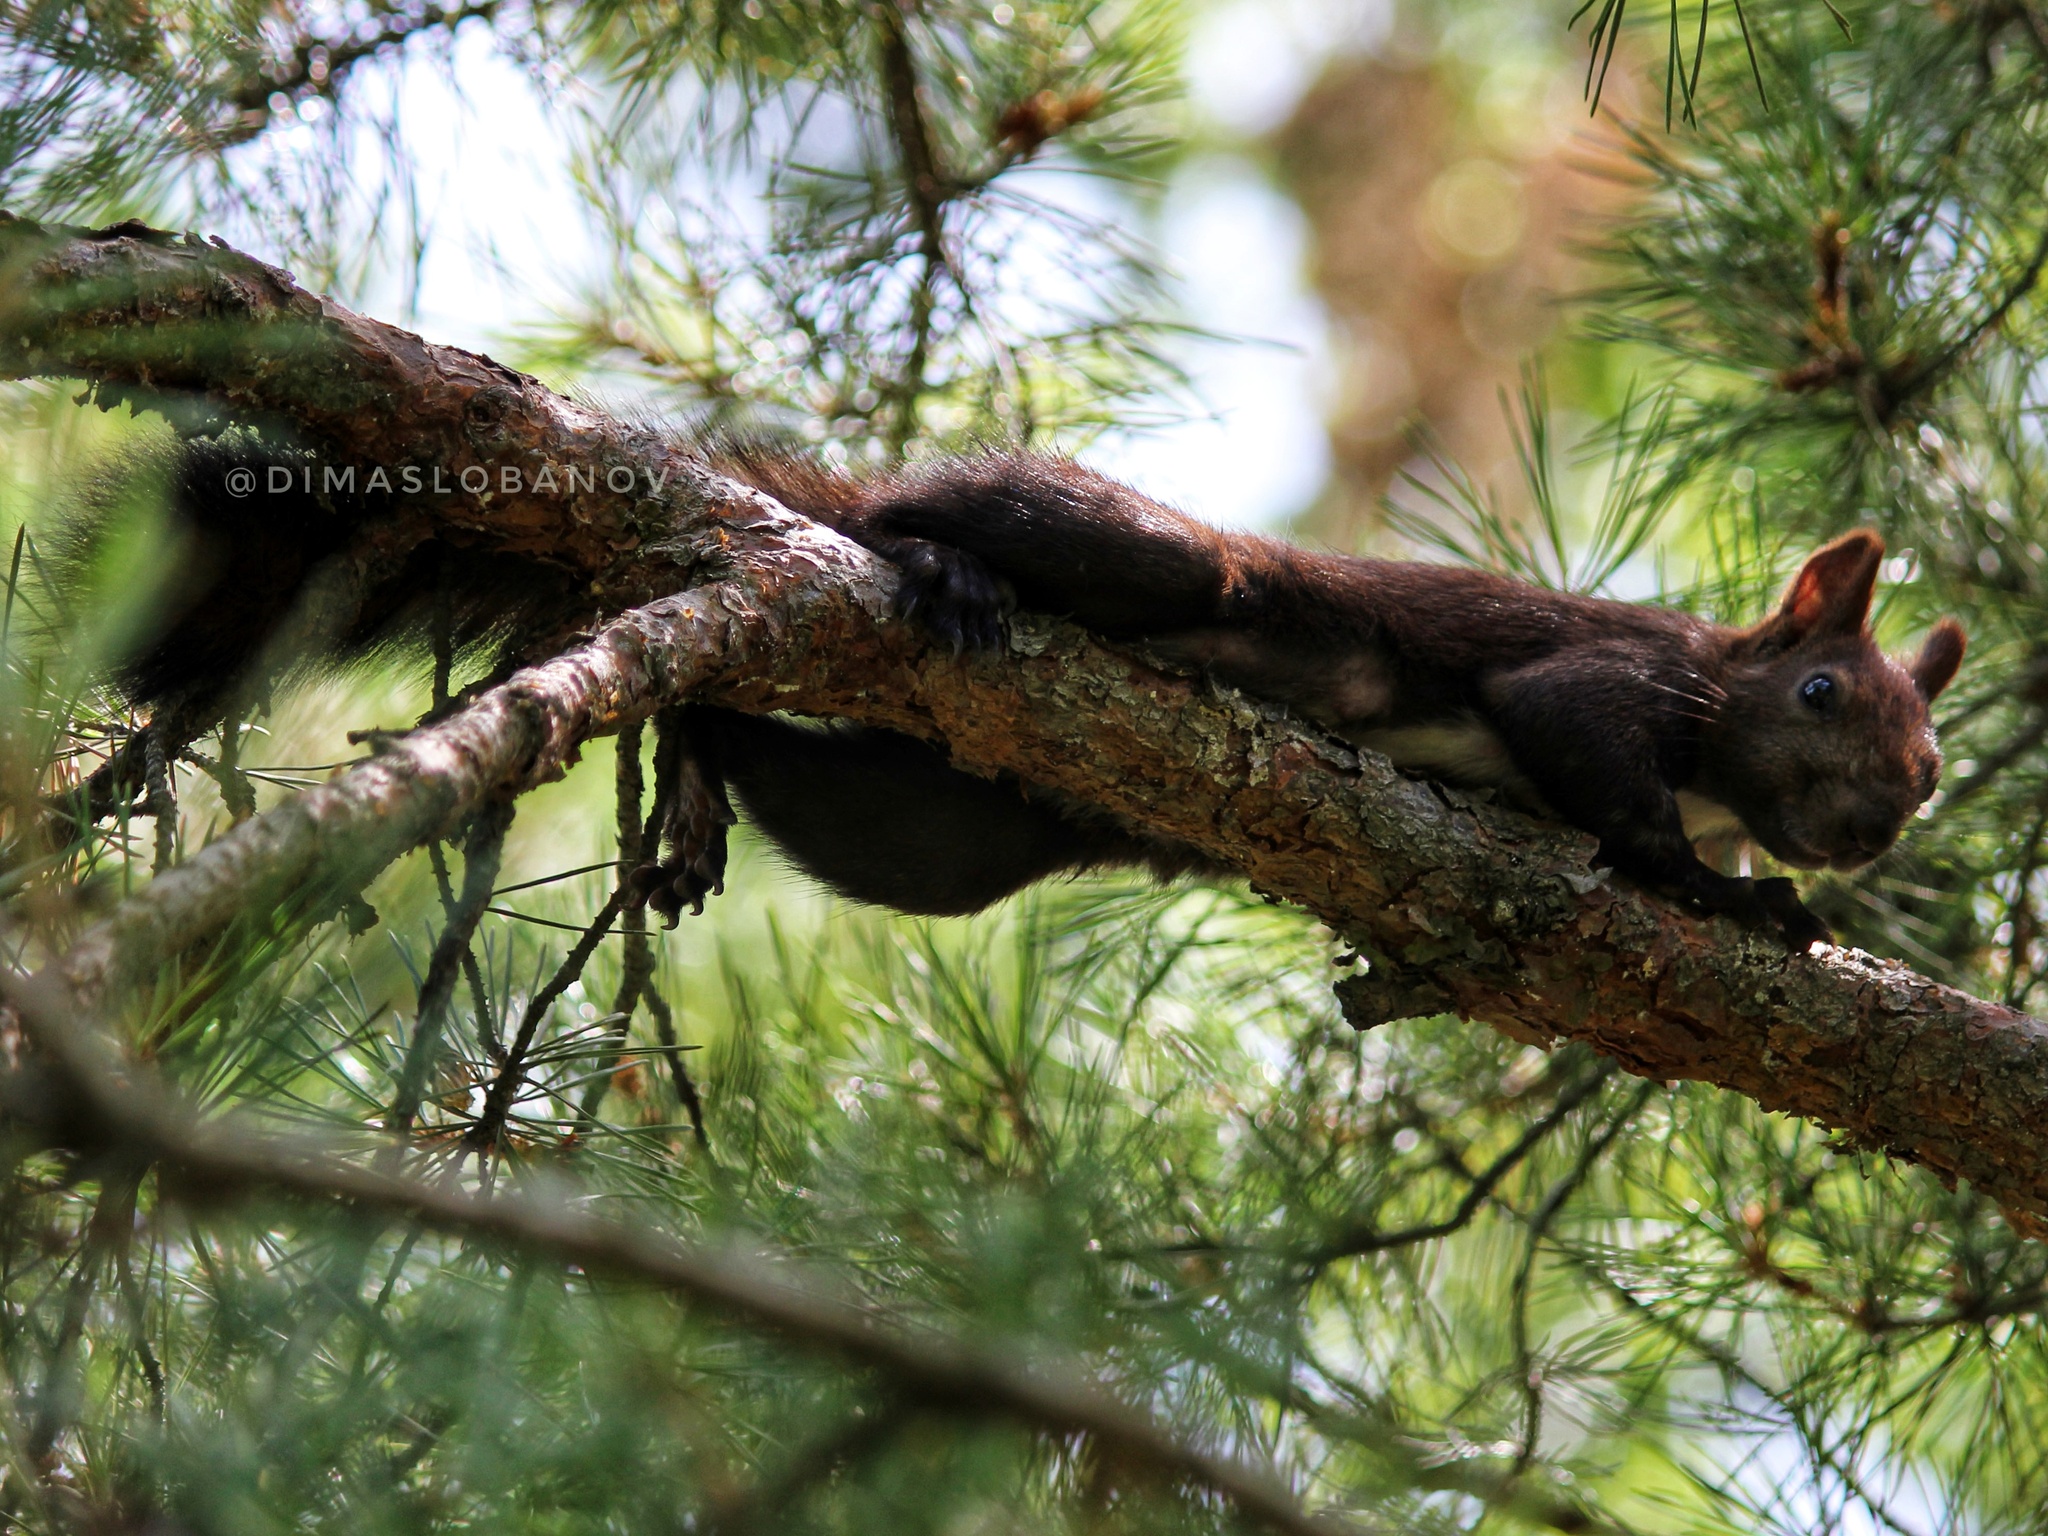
(1462, 906)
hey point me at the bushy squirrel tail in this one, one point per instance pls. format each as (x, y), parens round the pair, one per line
(251, 528)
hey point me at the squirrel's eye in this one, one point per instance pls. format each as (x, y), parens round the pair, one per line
(1819, 693)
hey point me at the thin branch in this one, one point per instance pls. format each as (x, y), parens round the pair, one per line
(107, 1235)
(927, 189)
(636, 961)
(236, 790)
(2018, 289)
(2036, 27)
(1990, 767)
(317, 64)
(482, 1136)
(636, 966)
(163, 804)
(1538, 1228)
(1365, 1239)
(1729, 1363)
(479, 993)
(2020, 913)
(481, 852)
(138, 1337)
(87, 1099)
(764, 1508)
(672, 1053)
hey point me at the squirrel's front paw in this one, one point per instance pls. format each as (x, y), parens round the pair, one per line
(951, 593)
(1780, 901)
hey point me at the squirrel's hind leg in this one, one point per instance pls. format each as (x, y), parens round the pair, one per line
(877, 816)
(1067, 541)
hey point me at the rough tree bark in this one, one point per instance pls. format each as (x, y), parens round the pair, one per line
(1462, 906)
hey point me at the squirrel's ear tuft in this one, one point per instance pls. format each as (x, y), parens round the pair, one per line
(1935, 667)
(1831, 594)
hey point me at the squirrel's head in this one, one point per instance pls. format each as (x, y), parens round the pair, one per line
(1823, 744)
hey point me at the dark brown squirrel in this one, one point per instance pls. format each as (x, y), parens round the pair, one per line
(1644, 726)
(1641, 725)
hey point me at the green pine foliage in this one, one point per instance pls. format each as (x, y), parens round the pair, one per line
(1845, 271)
(1436, 1280)
(838, 221)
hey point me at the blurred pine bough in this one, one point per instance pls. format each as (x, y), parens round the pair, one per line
(1437, 1281)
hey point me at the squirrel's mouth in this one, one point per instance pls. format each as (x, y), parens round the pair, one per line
(1792, 839)
(1842, 854)
(1803, 858)
(1789, 848)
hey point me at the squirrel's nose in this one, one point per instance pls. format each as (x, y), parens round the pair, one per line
(1873, 834)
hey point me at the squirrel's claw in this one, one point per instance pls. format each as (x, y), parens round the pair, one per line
(1779, 899)
(1767, 903)
(669, 887)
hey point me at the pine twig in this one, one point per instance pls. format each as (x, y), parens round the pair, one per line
(483, 1136)
(1539, 1227)
(1365, 1239)
(482, 850)
(672, 1053)
(106, 1237)
(236, 790)
(2029, 278)
(927, 189)
(479, 993)
(163, 804)
(764, 1508)
(636, 968)
(636, 963)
